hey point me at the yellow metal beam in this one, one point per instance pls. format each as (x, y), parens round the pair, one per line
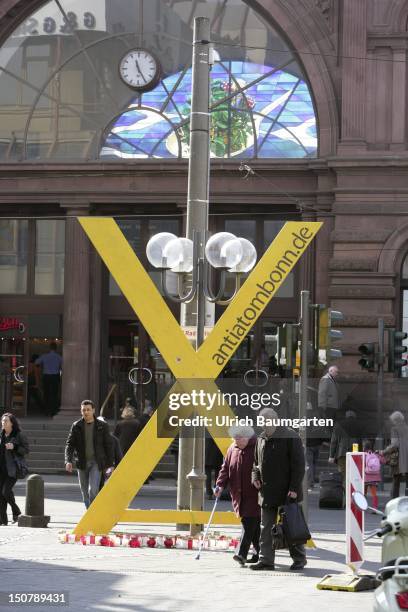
(178, 516)
(185, 363)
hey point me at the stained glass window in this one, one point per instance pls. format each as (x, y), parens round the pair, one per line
(257, 111)
(62, 98)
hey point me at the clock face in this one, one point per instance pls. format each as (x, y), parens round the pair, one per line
(139, 69)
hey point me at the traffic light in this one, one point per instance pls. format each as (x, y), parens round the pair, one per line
(288, 337)
(368, 357)
(327, 335)
(396, 349)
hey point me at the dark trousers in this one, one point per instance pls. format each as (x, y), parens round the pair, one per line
(7, 497)
(51, 384)
(312, 456)
(34, 400)
(396, 481)
(251, 530)
(267, 553)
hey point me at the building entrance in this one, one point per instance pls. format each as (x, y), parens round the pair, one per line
(135, 368)
(13, 382)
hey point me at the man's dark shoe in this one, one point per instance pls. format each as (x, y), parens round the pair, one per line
(298, 565)
(262, 566)
(253, 559)
(239, 560)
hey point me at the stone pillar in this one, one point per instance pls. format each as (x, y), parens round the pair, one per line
(399, 87)
(96, 310)
(354, 50)
(76, 334)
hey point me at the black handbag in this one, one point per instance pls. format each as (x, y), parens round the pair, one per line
(21, 467)
(392, 456)
(294, 524)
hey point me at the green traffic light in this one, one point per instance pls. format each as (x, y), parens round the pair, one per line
(368, 356)
(396, 349)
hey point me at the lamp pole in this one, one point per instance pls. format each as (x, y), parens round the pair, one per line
(304, 324)
(191, 456)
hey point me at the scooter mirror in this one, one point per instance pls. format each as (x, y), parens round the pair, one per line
(360, 500)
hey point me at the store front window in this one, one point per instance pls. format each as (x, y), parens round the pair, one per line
(138, 232)
(13, 256)
(63, 97)
(49, 261)
(20, 271)
(23, 340)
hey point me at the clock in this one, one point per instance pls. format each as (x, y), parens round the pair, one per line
(139, 69)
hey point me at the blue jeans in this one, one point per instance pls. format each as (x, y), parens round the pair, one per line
(89, 481)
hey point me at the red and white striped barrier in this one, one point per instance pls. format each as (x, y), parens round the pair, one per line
(354, 516)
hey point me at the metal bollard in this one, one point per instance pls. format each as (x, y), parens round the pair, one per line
(34, 505)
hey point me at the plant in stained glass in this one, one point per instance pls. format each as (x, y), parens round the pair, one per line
(256, 111)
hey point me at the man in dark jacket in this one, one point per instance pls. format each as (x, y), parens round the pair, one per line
(346, 432)
(328, 397)
(278, 471)
(90, 440)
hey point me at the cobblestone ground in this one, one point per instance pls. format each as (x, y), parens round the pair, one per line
(125, 579)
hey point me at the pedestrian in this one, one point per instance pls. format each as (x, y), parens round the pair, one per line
(213, 463)
(89, 440)
(328, 395)
(399, 440)
(372, 471)
(12, 443)
(278, 472)
(346, 432)
(147, 414)
(127, 429)
(35, 402)
(144, 419)
(312, 456)
(117, 455)
(50, 364)
(129, 403)
(236, 471)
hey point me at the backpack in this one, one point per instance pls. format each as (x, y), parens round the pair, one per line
(372, 463)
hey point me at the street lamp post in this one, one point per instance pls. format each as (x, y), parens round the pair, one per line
(192, 257)
(197, 220)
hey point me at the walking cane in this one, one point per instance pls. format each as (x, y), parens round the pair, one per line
(208, 526)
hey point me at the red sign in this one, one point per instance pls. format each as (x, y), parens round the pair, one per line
(11, 323)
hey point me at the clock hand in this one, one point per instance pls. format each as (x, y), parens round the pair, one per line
(140, 72)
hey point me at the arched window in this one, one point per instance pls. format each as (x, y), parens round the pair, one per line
(62, 96)
(404, 301)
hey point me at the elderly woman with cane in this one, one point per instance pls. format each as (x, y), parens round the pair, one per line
(236, 471)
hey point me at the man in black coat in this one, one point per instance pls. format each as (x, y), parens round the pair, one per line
(278, 471)
(90, 440)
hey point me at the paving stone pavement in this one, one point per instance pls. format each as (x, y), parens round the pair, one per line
(124, 579)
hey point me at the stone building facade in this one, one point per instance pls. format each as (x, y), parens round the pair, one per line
(352, 58)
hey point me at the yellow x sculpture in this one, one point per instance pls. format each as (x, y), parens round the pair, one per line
(111, 505)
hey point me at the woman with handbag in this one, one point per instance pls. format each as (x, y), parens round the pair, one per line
(399, 443)
(13, 448)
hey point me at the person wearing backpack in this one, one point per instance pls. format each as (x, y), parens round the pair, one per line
(372, 471)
